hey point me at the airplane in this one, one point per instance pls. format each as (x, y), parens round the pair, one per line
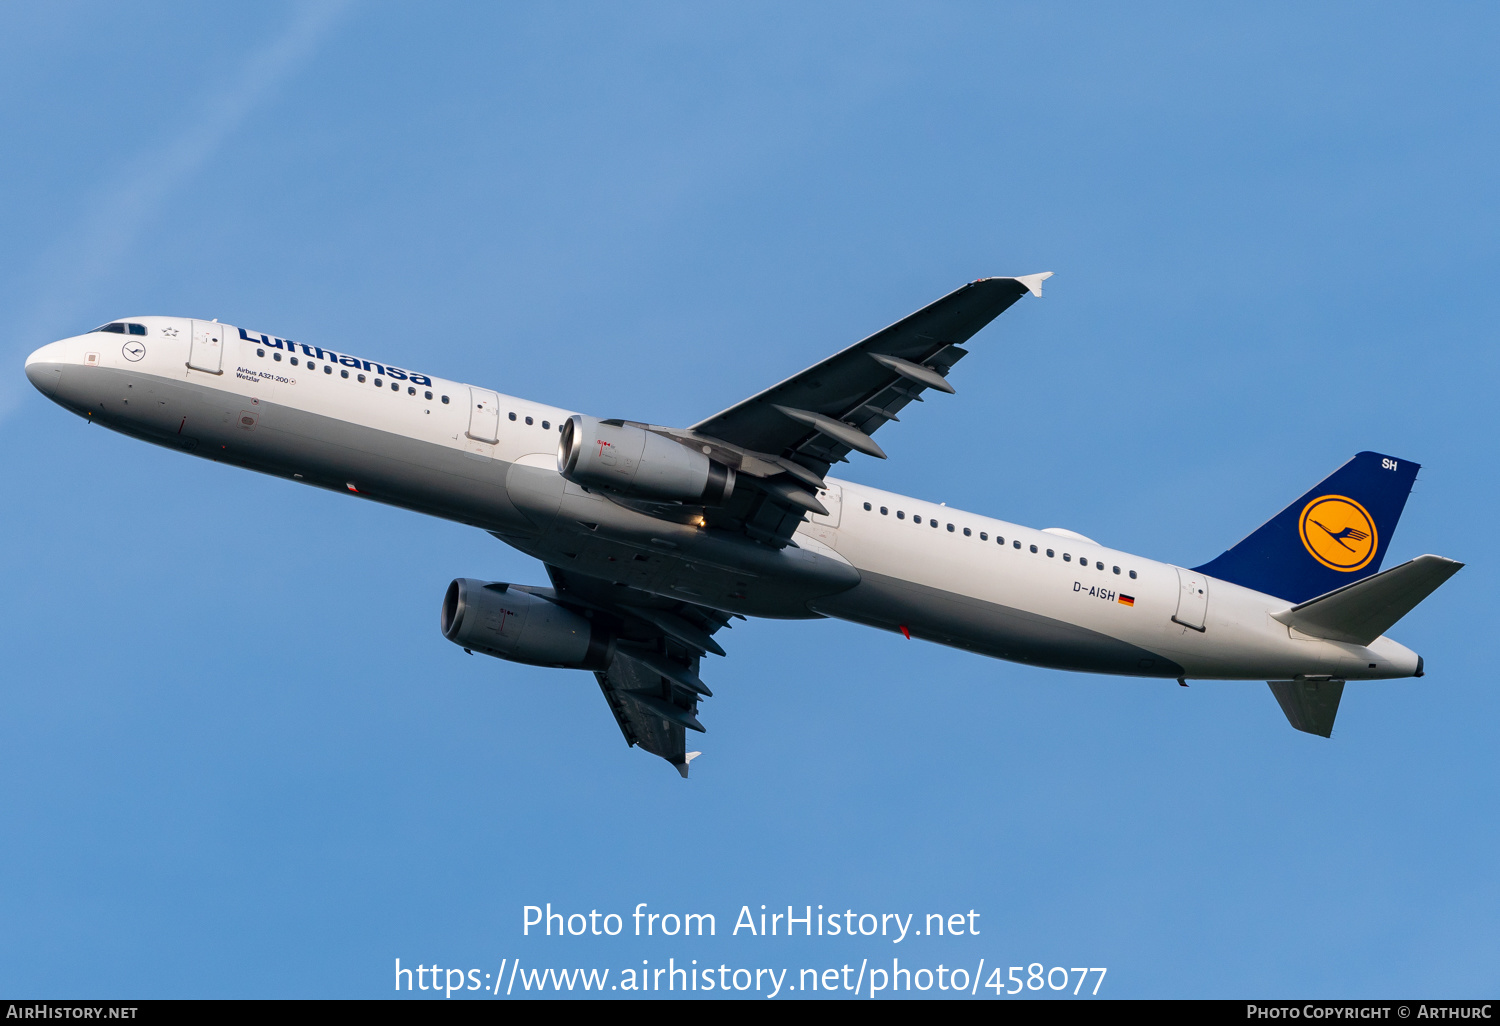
(655, 538)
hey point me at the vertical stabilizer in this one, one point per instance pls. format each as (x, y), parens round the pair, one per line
(1310, 705)
(1332, 536)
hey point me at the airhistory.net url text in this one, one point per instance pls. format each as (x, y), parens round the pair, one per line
(864, 980)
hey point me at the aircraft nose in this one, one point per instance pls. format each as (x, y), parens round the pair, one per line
(44, 367)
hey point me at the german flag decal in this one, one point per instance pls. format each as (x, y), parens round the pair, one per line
(1127, 600)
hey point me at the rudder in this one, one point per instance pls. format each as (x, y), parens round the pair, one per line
(1335, 534)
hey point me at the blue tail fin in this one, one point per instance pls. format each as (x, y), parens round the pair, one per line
(1332, 536)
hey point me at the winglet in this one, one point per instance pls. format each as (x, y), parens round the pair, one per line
(1033, 282)
(682, 767)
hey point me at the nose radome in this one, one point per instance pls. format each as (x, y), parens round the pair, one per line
(44, 367)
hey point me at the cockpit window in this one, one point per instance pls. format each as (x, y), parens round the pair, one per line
(116, 327)
(136, 329)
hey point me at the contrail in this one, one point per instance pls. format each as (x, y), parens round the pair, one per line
(94, 247)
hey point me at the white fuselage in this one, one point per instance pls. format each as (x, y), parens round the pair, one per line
(488, 459)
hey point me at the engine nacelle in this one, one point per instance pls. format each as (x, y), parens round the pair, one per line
(639, 463)
(508, 623)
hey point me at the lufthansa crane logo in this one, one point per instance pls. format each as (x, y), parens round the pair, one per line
(1339, 533)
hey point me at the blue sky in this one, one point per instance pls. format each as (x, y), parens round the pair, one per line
(238, 759)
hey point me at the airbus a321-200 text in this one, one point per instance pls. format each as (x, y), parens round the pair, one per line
(654, 538)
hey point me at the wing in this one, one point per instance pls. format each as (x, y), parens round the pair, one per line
(818, 416)
(783, 440)
(651, 682)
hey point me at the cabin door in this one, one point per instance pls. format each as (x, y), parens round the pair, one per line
(1192, 599)
(207, 349)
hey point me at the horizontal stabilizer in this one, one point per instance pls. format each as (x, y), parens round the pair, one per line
(1310, 705)
(1359, 613)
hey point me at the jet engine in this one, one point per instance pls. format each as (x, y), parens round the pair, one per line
(510, 623)
(632, 461)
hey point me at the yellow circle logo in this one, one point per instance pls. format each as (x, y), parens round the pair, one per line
(1338, 532)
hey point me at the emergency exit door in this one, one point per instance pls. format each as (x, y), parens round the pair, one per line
(206, 351)
(484, 416)
(832, 499)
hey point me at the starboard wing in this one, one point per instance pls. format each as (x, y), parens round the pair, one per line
(819, 416)
(784, 439)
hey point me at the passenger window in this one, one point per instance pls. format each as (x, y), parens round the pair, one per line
(445, 399)
(260, 352)
(277, 358)
(378, 382)
(1099, 565)
(343, 374)
(984, 536)
(867, 507)
(916, 519)
(1033, 548)
(1067, 558)
(950, 528)
(1117, 569)
(900, 515)
(410, 390)
(884, 512)
(294, 361)
(395, 387)
(546, 426)
(361, 379)
(934, 523)
(967, 533)
(1050, 553)
(427, 395)
(1132, 575)
(311, 366)
(327, 369)
(512, 416)
(528, 420)
(1017, 543)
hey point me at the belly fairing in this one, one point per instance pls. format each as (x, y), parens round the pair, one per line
(990, 629)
